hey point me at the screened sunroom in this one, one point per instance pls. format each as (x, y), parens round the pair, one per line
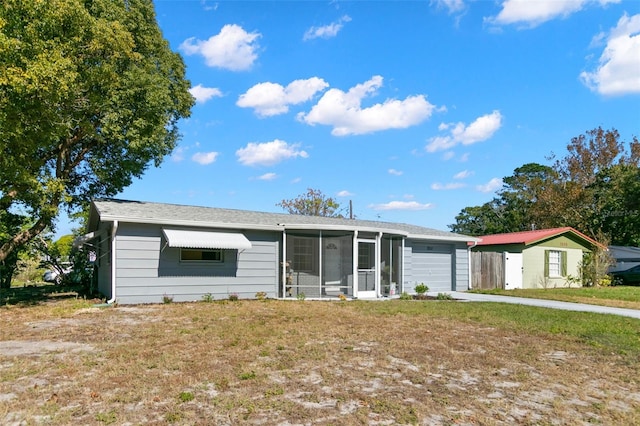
(330, 264)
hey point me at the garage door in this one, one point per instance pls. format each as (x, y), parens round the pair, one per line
(431, 264)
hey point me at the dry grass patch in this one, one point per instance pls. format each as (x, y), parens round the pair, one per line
(271, 362)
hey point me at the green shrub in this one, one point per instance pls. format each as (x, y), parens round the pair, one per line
(234, 297)
(301, 296)
(405, 296)
(444, 296)
(167, 299)
(208, 298)
(421, 288)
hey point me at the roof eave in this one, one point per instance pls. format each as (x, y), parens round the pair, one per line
(285, 226)
(460, 238)
(193, 223)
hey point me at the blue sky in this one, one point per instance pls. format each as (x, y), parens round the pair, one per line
(412, 110)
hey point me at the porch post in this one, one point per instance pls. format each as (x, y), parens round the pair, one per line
(378, 264)
(401, 283)
(320, 260)
(355, 264)
(283, 268)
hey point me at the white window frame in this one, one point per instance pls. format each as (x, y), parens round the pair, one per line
(555, 264)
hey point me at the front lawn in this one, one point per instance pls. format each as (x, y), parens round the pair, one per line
(67, 362)
(615, 296)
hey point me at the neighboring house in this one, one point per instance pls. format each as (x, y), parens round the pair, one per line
(147, 251)
(544, 258)
(625, 257)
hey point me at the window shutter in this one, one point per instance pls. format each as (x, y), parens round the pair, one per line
(546, 263)
(563, 263)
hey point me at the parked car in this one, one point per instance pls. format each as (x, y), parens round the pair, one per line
(628, 276)
(54, 276)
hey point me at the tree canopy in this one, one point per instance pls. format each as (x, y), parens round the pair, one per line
(90, 96)
(594, 188)
(311, 203)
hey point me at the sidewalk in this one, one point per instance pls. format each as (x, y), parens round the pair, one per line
(553, 304)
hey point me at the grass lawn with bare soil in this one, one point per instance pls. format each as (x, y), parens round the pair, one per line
(64, 361)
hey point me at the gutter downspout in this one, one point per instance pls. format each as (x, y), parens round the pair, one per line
(114, 230)
(475, 243)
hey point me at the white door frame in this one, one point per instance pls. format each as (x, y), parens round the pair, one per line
(368, 293)
(513, 269)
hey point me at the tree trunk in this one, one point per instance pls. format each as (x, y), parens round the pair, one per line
(21, 238)
(6, 275)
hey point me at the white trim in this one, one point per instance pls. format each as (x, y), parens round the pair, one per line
(320, 264)
(401, 283)
(206, 239)
(469, 257)
(354, 265)
(283, 280)
(84, 239)
(384, 228)
(114, 231)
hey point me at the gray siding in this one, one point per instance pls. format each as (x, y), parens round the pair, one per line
(147, 270)
(429, 263)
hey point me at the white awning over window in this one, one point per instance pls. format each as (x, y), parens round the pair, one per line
(206, 239)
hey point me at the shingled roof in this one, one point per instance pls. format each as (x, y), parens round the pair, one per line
(196, 216)
(532, 237)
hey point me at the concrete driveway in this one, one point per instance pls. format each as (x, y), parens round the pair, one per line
(567, 306)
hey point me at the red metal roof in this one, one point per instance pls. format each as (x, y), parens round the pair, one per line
(530, 237)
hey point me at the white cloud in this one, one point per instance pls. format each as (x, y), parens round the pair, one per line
(453, 6)
(395, 172)
(204, 158)
(203, 94)
(267, 176)
(344, 112)
(206, 7)
(233, 48)
(490, 186)
(269, 99)
(453, 185)
(401, 205)
(268, 153)
(481, 129)
(463, 174)
(344, 193)
(618, 72)
(178, 154)
(326, 31)
(533, 13)
(448, 155)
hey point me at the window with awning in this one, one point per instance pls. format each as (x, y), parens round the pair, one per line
(206, 239)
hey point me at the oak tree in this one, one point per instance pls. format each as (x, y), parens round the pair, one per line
(90, 97)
